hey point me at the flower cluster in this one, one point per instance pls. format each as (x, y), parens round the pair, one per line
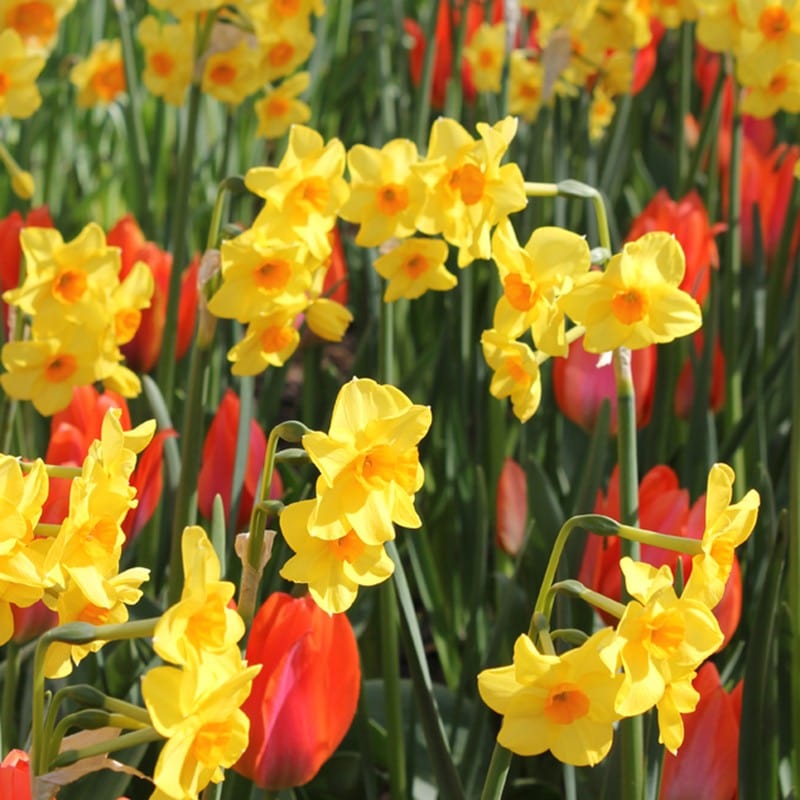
(635, 302)
(569, 703)
(370, 472)
(80, 578)
(249, 47)
(195, 701)
(81, 315)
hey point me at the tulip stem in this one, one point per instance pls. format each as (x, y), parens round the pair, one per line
(8, 729)
(631, 728)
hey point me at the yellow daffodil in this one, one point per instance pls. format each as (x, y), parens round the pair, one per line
(332, 568)
(305, 191)
(636, 301)
(103, 602)
(201, 621)
(280, 108)
(385, 194)
(415, 267)
(197, 709)
(269, 341)
(36, 22)
(284, 46)
(168, 57)
(231, 71)
(369, 463)
(63, 278)
(727, 526)
(780, 92)
(100, 79)
(260, 275)
(516, 373)
(485, 53)
(564, 704)
(46, 371)
(468, 190)
(601, 112)
(679, 698)
(533, 278)
(770, 36)
(658, 636)
(185, 8)
(21, 562)
(19, 69)
(526, 84)
(719, 27)
(328, 319)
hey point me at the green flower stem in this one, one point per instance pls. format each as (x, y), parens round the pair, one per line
(684, 102)
(137, 142)
(577, 589)
(72, 633)
(52, 470)
(533, 189)
(424, 95)
(794, 546)
(191, 446)
(46, 529)
(166, 363)
(252, 567)
(680, 544)
(577, 189)
(588, 522)
(88, 719)
(388, 612)
(8, 715)
(123, 742)
(731, 316)
(496, 774)
(631, 728)
(390, 668)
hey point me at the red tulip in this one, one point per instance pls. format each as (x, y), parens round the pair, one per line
(687, 219)
(336, 284)
(219, 452)
(304, 699)
(142, 352)
(11, 249)
(644, 63)
(663, 507)
(707, 763)
(148, 480)
(15, 776)
(447, 22)
(512, 507)
(580, 386)
(31, 622)
(684, 389)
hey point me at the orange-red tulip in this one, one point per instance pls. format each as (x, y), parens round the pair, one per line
(142, 352)
(336, 284)
(687, 219)
(10, 248)
(219, 452)
(304, 699)
(707, 763)
(447, 23)
(684, 389)
(512, 507)
(580, 386)
(663, 507)
(15, 776)
(31, 622)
